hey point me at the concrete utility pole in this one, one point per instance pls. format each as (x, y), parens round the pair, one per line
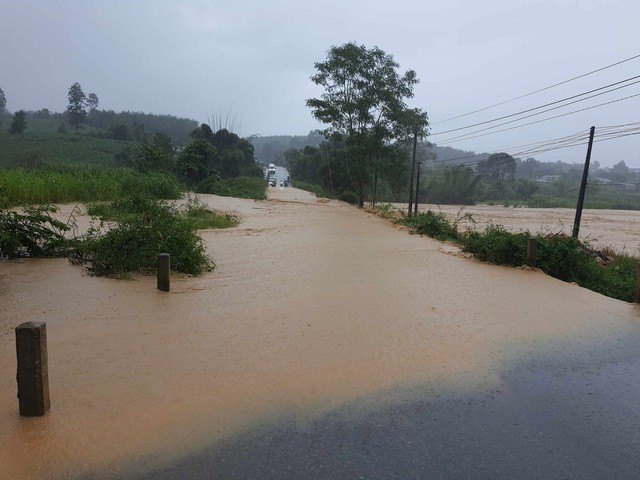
(413, 169)
(415, 203)
(583, 185)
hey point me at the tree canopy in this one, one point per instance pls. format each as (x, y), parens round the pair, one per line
(3, 101)
(76, 112)
(363, 103)
(19, 122)
(498, 167)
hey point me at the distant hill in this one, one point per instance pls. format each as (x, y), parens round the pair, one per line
(106, 133)
(41, 142)
(453, 156)
(270, 149)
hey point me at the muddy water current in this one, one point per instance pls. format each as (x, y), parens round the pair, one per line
(313, 304)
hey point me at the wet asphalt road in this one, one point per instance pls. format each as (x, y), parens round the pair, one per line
(568, 413)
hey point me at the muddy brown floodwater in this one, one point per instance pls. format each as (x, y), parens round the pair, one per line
(313, 304)
(615, 229)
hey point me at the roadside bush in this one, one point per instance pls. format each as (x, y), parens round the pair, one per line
(134, 244)
(349, 197)
(33, 233)
(566, 258)
(432, 224)
(496, 245)
(618, 278)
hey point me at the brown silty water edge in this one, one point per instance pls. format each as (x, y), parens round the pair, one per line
(615, 229)
(313, 304)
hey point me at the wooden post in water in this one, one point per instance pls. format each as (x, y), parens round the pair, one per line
(532, 251)
(33, 372)
(164, 267)
(638, 282)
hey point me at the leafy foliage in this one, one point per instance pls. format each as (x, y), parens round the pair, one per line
(33, 233)
(134, 244)
(19, 122)
(76, 111)
(457, 185)
(432, 224)
(363, 104)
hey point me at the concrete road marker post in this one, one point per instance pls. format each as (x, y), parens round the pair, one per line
(532, 251)
(33, 371)
(164, 268)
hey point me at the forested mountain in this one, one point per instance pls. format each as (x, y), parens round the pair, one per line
(271, 149)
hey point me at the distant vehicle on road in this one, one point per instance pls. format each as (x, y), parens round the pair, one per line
(272, 181)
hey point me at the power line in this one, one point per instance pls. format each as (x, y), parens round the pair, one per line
(468, 137)
(546, 105)
(538, 91)
(550, 145)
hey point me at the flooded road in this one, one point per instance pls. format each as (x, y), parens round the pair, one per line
(314, 305)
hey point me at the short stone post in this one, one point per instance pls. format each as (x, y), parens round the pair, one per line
(532, 251)
(33, 372)
(164, 267)
(638, 282)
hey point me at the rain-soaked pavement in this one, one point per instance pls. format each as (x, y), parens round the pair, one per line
(569, 415)
(327, 344)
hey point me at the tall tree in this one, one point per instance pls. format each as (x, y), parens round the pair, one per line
(76, 111)
(3, 104)
(363, 98)
(19, 122)
(3, 101)
(92, 102)
(499, 166)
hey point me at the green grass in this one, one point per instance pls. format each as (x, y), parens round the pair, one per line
(81, 184)
(42, 138)
(203, 218)
(132, 207)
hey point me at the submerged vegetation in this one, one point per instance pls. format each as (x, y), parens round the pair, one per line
(135, 242)
(32, 233)
(126, 235)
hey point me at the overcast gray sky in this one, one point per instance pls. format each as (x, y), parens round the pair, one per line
(253, 59)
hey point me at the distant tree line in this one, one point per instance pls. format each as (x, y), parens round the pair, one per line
(208, 157)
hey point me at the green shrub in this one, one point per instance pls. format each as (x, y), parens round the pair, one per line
(349, 197)
(496, 245)
(618, 279)
(33, 233)
(432, 224)
(241, 187)
(566, 258)
(134, 245)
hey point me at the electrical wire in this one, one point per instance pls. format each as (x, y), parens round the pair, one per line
(538, 91)
(470, 135)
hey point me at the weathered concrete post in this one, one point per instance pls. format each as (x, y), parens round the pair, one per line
(532, 251)
(33, 372)
(638, 282)
(164, 266)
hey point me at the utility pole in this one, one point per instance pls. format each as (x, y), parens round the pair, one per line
(415, 203)
(583, 186)
(413, 169)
